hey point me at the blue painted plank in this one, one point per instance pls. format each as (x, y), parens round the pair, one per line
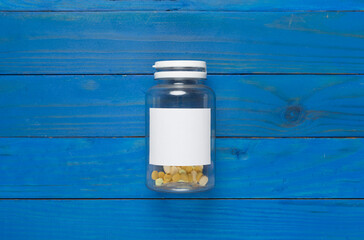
(246, 105)
(245, 168)
(230, 42)
(183, 5)
(178, 219)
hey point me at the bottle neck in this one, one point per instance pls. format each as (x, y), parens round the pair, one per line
(180, 81)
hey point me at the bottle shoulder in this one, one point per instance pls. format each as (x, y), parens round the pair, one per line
(180, 96)
(169, 89)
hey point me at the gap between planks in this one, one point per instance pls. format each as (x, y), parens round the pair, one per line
(150, 74)
(238, 137)
(176, 10)
(183, 199)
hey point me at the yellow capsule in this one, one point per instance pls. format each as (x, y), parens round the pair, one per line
(176, 177)
(161, 175)
(159, 181)
(167, 178)
(182, 171)
(174, 170)
(154, 175)
(194, 176)
(184, 177)
(199, 168)
(190, 177)
(203, 180)
(188, 169)
(167, 169)
(198, 177)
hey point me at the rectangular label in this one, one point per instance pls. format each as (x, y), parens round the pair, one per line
(180, 136)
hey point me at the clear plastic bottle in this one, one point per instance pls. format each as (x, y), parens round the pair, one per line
(180, 128)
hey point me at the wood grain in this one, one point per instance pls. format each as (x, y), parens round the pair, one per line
(246, 105)
(245, 168)
(230, 42)
(183, 5)
(235, 37)
(192, 219)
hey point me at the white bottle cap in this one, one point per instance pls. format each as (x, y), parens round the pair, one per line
(198, 69)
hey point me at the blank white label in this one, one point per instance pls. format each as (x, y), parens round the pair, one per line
(180, 136)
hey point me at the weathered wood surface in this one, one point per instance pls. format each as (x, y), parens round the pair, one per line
(234, 37)
(191, 219)
(183, 5)
(246, 105)
(230, 42)
(245, 168)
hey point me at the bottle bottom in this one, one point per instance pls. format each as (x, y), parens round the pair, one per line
(180, 187)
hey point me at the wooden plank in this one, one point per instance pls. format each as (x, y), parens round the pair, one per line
(246, 105)
(230, 42)
(245, 168)
(183, 5)
(188, 219)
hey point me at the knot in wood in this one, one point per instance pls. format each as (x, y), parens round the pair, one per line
(293, 115)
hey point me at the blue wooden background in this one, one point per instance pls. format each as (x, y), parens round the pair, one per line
(289, 81)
